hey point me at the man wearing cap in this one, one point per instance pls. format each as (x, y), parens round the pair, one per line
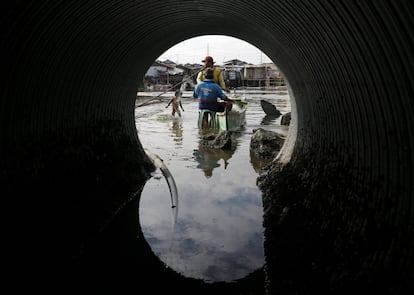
(218, 75)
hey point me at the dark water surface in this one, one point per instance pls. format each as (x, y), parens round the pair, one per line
(215, 233)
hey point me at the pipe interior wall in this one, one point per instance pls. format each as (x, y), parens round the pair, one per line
(345, 185)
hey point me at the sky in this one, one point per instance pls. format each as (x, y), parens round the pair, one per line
(221, 48)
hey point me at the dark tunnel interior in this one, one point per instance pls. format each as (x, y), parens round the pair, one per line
(338, 200)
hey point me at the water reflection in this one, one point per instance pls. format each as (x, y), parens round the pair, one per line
(269, 119)
(217, 236)
(209, 158)
(177, 130)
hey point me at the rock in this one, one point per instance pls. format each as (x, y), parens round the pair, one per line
(221, 141)
(269, 108)
(266, 144)
(285, 120)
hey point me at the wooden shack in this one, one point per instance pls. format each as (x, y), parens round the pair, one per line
(265, 75)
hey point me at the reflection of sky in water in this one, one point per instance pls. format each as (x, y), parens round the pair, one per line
(218, 235)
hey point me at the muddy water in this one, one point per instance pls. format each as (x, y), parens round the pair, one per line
(215, 233)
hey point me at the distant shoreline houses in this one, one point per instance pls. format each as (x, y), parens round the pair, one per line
(163, 75)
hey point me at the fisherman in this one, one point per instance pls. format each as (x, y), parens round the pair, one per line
(217, 76)
(207, 93)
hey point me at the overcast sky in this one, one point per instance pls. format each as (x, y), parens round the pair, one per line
(221, 48)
